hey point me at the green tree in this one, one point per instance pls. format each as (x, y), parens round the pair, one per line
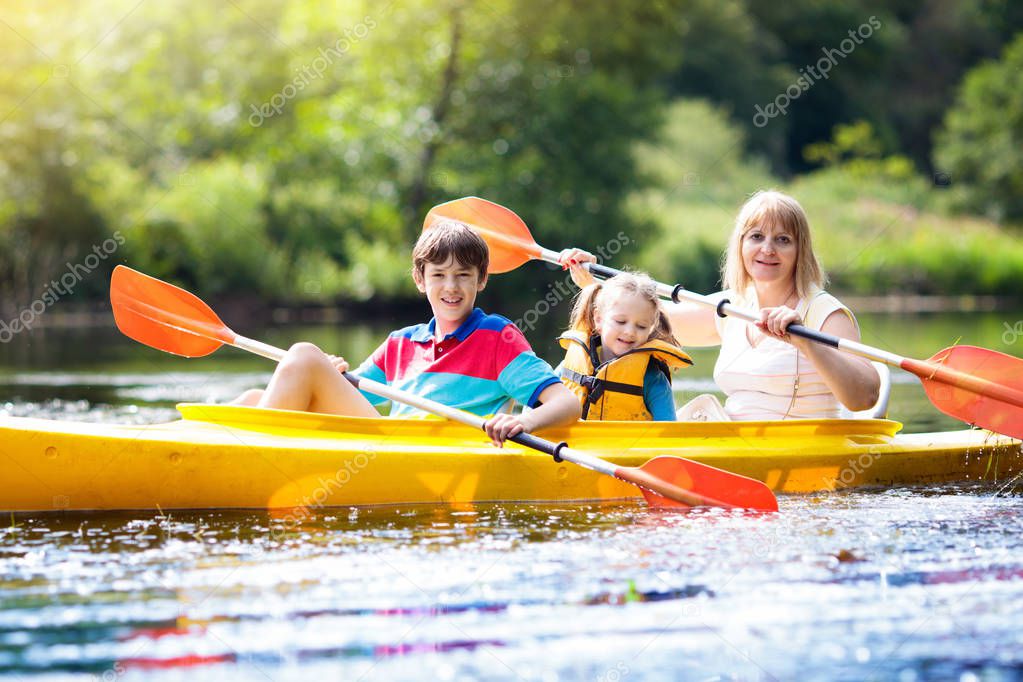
(696, 184)
(982, 134)
(309, 138)
(48, 219)
(859, 36)
(854, 149)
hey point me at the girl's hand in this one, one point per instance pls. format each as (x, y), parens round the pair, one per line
(339, 363)
(774, 321)
(572, 260)
(500, 427)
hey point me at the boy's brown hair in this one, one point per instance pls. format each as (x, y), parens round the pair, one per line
(450, 239)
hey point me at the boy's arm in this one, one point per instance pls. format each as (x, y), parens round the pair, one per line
(559, 407)
(530, 381)
(372, 369)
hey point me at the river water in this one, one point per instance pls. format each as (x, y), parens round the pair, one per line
(900, 584)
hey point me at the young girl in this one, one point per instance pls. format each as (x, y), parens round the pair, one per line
(620, 351)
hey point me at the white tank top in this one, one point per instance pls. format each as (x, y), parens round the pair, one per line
(760, 381)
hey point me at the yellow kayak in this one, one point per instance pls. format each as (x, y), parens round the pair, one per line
(228, 457)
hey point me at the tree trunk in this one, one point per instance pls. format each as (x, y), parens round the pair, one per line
(420, 186)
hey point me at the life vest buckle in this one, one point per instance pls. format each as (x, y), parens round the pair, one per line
(594, 387)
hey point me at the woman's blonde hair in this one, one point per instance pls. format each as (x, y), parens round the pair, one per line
(773, 208)
(598, 295)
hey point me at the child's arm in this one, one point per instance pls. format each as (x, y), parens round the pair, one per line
(657, 395)
(559, 407)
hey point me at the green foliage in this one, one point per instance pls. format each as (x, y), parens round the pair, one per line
(860, 35)
(900, 78)
(216, 207)
(880, 238)
(874, 221)
(698, 174)
(980, 142)
(941, 40)
(856, 141)
(857, 155)
(48, 217)
(728, 58)
(292, 147)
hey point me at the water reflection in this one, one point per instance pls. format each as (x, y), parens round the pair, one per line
(901, 584)
(833, 583)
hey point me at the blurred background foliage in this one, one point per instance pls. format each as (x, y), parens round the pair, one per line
(290, 149)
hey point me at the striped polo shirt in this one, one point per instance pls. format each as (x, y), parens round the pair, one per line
(476, 368)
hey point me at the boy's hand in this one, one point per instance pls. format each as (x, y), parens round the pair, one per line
(503, 426)
(572, 260)
(339, 363)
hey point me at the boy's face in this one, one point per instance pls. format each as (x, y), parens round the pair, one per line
(451, 289)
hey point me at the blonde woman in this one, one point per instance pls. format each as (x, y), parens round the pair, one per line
(770, 267)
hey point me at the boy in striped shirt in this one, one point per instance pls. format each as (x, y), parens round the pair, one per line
(463, 357)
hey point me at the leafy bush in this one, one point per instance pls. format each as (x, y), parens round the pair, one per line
(878, 227)
(698, 176)
(979, 144)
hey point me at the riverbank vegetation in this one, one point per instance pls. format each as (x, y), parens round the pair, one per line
(880, 226)
(289, 150)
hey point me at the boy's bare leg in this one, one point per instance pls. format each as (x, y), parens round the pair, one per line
(250, 397)
(306, 380)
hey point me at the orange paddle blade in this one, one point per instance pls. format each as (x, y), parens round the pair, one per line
(509, 239)
(717, 488)
(977, 385)
(164, 316)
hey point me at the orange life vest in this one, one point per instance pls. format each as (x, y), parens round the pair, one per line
(613, 390)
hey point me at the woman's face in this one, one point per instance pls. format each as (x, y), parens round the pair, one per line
(769, 254)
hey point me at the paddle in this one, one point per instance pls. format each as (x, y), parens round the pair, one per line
(976, 385)
(171, 319)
